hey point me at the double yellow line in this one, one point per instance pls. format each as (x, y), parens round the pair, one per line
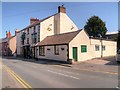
(20, 80)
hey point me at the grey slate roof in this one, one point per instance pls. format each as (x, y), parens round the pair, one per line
(58, 39)
(38, 22)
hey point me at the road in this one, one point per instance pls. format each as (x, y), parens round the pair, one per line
(7, 80)
(56, 76)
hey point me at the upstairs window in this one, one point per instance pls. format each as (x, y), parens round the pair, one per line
(38, 28)
(34, 38)
(38, 37)
(27, 40)
(38, 33)
(28, 31)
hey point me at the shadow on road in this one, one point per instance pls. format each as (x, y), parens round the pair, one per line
(40, 61)
(112, 61)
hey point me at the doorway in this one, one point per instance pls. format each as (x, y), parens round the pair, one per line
(75, 53)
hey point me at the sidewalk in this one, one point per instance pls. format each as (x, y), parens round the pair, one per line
(98, 65)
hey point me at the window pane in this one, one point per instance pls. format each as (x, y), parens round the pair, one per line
(56, 49)
(97, 48)
(83, 48)
(41, 50)
(103, 47)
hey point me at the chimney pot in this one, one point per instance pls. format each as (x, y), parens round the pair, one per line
(61, 9)
(8, 34)
(33, 20)
(16, 31)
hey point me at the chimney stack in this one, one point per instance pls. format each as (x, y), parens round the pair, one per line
(8, 34)
(61, 9)
(16, 31)
(33, 20)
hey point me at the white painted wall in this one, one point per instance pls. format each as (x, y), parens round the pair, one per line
(111, 47)
(80, 39)
(48, 23)
(49, 54)
(18, 42)
(63, 24)
(83, 39)
(66, 24)
(59, 23)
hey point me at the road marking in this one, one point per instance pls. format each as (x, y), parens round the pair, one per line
(20, 80)
(98, 71)
(114, 73)
(11, 76)
(63, 74)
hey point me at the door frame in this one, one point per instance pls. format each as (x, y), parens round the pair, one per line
(76, 53)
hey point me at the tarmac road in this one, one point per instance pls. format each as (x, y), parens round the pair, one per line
(54, 76)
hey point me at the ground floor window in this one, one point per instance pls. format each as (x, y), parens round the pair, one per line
(41, 50)
(83, 48)
(56, 49)
(97, 47)
(103, 48)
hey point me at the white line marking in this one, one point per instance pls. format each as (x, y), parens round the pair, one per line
(63, 74)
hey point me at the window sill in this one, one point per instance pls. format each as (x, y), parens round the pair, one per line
(56, 54)
(41, 55)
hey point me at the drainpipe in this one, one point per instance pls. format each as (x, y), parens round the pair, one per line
(101, 48)
(101, 45)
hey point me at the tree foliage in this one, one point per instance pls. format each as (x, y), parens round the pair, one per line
(95, 27)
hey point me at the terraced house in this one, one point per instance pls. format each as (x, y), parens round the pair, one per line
(57, 38)
(8, 45)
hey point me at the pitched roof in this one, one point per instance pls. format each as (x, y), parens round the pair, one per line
(64, 38)
(37, 22)
(11, 37)
(98, 38)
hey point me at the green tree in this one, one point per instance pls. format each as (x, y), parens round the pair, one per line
(118, 40)
(95, 27)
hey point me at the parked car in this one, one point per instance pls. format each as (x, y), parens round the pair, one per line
(118, 56)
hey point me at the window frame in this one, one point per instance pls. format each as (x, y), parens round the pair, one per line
(85, 47)
(41, 50)
(103, 47)
(56, 49)
(27, 31)
(27, 40)
(97, 47)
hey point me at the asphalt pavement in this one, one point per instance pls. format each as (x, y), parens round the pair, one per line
(43, 75)
(7, 80)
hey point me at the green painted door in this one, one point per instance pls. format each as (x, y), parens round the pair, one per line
(75, 53)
